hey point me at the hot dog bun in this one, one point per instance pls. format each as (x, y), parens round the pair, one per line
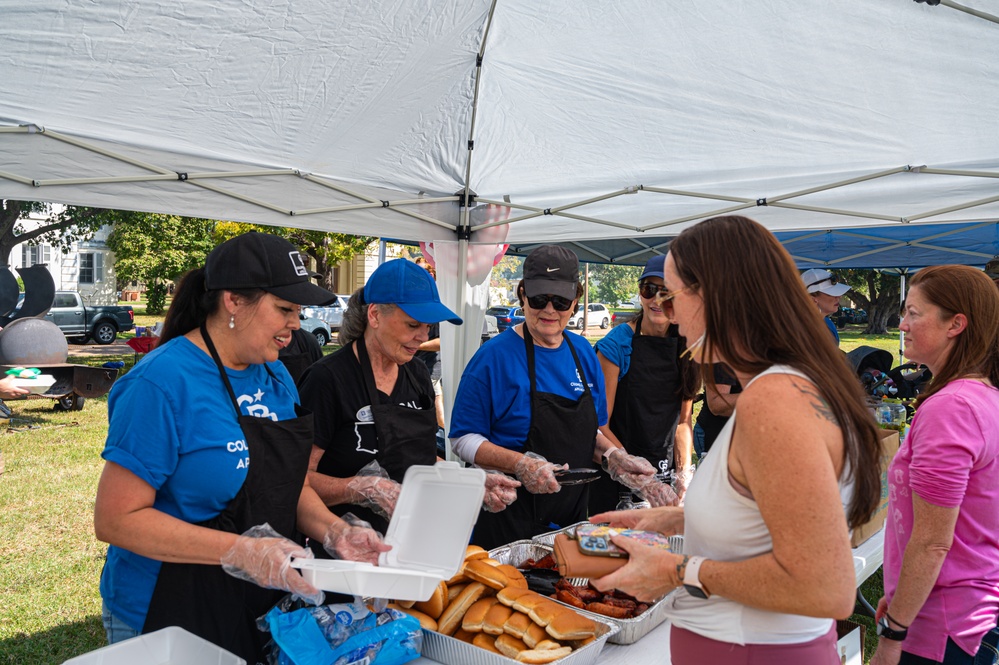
(571, 625)
(538, 656)
(475, 552)
(437, 602)
(515, 577)
(480, 571)
(509, 595)
(472, 621)
(495, 619)
(517, 624)
(534, 634)
(427, 622)
(487, 642)
(510, 646)
(451, 617)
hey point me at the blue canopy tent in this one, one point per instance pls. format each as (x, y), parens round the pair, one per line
(901, 247)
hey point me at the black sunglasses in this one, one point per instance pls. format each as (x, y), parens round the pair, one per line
(832, 279)
(648, 290)
(558, 302)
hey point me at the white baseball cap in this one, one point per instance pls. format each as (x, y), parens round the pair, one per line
(823, 281)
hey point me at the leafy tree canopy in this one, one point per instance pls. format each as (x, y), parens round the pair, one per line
(613, 284)
(875, 291)
(60, 228)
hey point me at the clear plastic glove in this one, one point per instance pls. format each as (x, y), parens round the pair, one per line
(353, 539)
(657, 493)
(681, 480)
(263, 556)
(538, 474)
(501, 491)
(372, 488)
(629, 470)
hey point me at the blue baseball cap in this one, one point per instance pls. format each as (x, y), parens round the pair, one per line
(403, 283)
(654, 267)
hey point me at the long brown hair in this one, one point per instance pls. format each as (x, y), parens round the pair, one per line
(192, 305)
(964, 290)
(757, 314)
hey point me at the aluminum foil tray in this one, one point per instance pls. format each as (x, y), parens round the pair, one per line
(450, 651)
(630, 630)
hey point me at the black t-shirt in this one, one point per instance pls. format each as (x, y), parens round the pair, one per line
(333, 389)
(304, 349)
(429, 358)
(712, 424)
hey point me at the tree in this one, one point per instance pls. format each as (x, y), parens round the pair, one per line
(613, 284)
(157, 249)
(876, 292)
(326, 249)
(61, 228)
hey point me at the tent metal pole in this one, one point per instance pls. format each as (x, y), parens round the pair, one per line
(965, 206)
(107, 153)
(371, 199)
(690, 218)
(16, 178)
(973, 174)
(840, 183)
(901, 334)
(969, 10)
(833, 211)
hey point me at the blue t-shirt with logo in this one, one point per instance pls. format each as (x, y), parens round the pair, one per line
(494, 396)
(172, 424)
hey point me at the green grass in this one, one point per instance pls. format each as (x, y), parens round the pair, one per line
(50, 562)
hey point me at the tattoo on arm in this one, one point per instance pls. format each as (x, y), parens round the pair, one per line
(819, 405)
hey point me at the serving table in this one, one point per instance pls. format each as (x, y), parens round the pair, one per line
(654, 647)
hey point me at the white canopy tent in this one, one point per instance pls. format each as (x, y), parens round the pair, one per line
(577, 120)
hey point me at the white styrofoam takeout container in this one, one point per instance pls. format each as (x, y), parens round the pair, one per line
(36, 385)
(429, 531)
(168, 646)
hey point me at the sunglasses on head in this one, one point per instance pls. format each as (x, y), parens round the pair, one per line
(558, 302)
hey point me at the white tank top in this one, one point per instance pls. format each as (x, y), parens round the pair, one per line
(723, 525)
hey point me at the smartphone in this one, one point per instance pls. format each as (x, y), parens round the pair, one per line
(595, 539)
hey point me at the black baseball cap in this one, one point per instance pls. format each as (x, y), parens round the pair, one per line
(263, 261)
(551, 270)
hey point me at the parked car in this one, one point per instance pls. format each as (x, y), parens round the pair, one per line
(597, 315)
(317, 327)
(332, 314)
(506, 315)
(617, 318)
(78, 321)
(490, 327)
(847, 315)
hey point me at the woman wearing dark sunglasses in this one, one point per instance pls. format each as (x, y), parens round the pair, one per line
(650, 392)
(530, 403)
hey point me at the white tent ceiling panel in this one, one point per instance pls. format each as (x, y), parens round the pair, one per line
(576, 101)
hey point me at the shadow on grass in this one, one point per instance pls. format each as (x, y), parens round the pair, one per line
(55, 645)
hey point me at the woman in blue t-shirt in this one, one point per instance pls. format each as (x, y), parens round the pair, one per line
(530, 403)
(206, 460)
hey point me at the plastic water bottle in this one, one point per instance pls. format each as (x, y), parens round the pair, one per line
(624, 501)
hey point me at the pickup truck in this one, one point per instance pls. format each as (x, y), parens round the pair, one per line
(79, 322)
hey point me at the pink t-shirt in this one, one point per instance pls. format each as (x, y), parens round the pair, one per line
(951, 458)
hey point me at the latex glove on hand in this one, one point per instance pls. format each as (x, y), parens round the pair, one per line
(657, 493)
(378, 494)
(263, 556)
(501, 491)
(353, 539)
(681, 480)
(372, 488)
(538, 474)
(631, 471)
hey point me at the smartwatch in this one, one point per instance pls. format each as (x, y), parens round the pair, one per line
(691, 578)
(889, 633)
(605, 458)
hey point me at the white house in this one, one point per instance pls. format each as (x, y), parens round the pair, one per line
(88, 267)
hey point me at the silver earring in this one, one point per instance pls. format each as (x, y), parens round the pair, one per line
(232, 322)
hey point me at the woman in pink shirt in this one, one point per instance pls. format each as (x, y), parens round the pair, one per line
(941, 558)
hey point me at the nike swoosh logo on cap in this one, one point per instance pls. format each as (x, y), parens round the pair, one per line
(551, 269)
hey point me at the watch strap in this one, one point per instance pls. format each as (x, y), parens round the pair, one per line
(889, 633)
(691, 574)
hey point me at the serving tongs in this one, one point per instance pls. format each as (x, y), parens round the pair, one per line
(576, 476)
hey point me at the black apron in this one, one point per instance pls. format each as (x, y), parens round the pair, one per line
(206, 600)
(563, 431)
(646, 411)
(406, 437)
